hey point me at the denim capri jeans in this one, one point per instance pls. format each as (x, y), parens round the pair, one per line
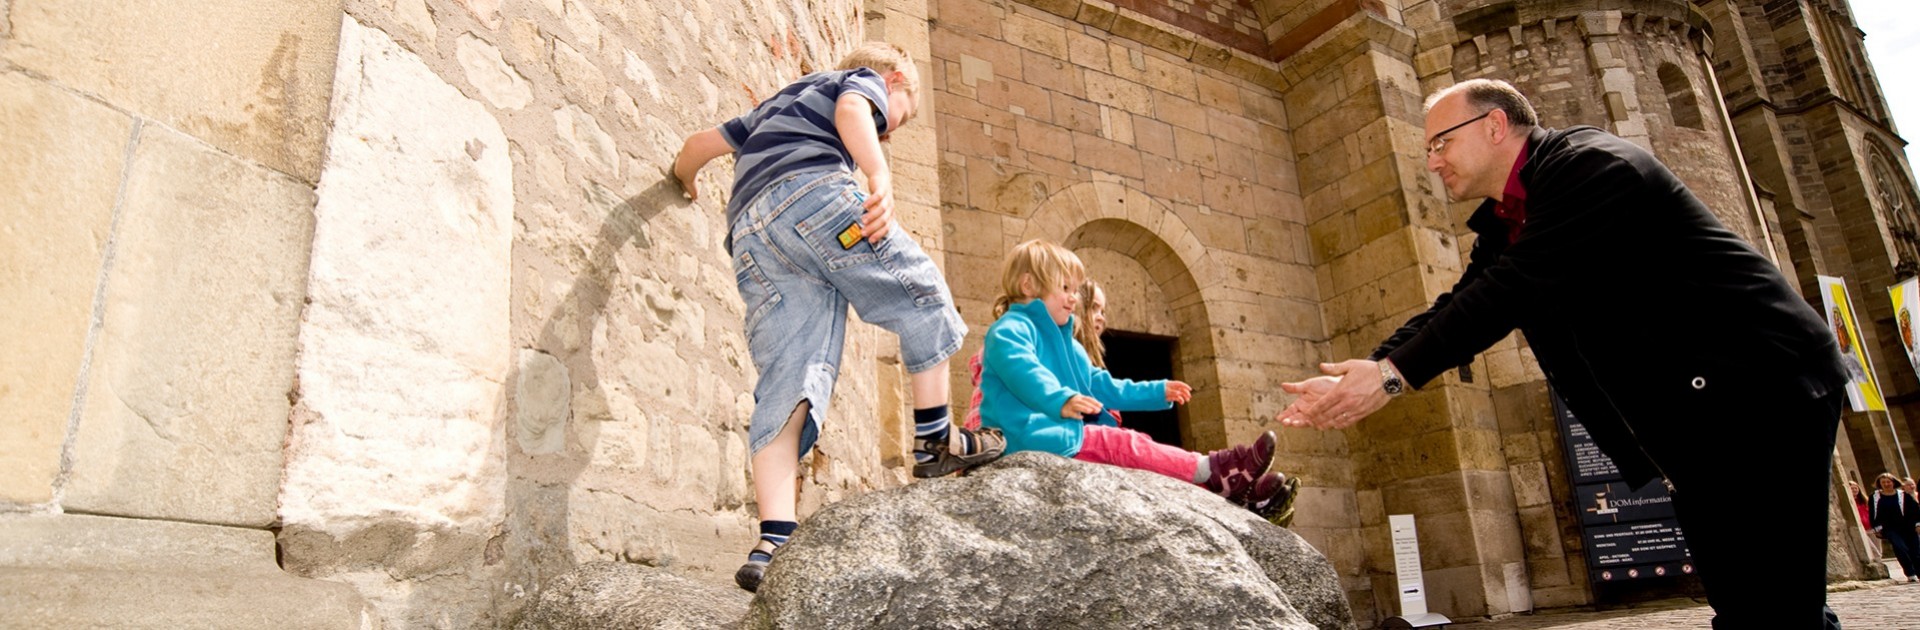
(800, 262)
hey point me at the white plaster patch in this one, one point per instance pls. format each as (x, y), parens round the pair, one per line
(404, 351)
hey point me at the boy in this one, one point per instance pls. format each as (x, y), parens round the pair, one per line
(805, 246)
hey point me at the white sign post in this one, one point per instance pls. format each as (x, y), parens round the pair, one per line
(1413, 586)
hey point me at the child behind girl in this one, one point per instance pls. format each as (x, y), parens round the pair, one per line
(1039, 388)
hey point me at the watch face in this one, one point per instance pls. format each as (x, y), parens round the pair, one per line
(1393, 386)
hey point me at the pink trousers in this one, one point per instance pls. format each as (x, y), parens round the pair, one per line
(1127, 448)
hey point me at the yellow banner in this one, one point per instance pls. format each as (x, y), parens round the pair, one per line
(1906, 300)
(1863, 391)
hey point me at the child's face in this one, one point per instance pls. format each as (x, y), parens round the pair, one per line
(1097, 312)
(901, 103)
(1061, 300)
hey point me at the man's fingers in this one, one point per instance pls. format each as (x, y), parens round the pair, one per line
(1294, 388)
(1333, 369)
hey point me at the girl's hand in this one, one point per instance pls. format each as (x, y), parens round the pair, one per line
(1079, 406)
(1179, 393)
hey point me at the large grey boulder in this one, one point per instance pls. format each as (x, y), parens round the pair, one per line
(603, 595)
(1038, 541)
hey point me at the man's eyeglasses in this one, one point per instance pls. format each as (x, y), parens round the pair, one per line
(1440, 140)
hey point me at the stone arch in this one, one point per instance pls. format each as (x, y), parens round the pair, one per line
(1127, 221)
(1682, 103)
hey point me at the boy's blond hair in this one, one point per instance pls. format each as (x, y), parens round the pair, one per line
(884, 57)
(1050, 266)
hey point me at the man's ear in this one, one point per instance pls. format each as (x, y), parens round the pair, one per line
(1498, 125)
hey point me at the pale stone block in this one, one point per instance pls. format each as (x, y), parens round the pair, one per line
(486, 11)
(405, 345)
(497, 81)
(585, 27)
(639, 72)
(57, 190)
(186, 401)
(578, 74)
(542, 397)
(1110, 90)
(249, 77)
(82, 571)
(1594, 23)
(1037, 35)
(527, 38)
(413, 14)
(589, 141)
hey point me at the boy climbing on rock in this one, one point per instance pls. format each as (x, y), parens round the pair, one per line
(806, 244)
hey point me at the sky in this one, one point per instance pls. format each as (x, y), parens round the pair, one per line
(1893, 45)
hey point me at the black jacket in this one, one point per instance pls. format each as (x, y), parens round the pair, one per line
(1903, 520)
(1645, 312)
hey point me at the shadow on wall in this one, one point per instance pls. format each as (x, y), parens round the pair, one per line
(547, 453)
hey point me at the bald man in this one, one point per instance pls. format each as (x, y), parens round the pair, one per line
(1683, 351)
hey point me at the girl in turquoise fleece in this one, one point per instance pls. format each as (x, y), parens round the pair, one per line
(1039, 388)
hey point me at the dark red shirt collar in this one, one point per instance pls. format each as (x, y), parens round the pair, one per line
(1512, 206)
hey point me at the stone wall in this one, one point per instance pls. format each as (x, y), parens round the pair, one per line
(157, 200)
(523, 349)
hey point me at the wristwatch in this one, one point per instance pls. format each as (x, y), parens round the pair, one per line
(1390, 381)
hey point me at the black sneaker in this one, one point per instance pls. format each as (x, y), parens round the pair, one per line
(748, 577)
(988, 445)
(1273, 497)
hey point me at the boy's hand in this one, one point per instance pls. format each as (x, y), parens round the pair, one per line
(878, 218)
(699, 149)
(687, 178)
(1179, 393)
(1079, 405)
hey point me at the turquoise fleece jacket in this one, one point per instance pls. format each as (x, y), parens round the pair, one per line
(1032, 367)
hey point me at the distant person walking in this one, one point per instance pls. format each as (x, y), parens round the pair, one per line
(1895, 517)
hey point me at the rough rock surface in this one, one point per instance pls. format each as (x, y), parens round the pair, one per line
(1038, 541)
(621, 595)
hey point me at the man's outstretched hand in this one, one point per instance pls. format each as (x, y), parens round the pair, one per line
(1334, 401)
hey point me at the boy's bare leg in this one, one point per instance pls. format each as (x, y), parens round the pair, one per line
(930, 387)
(774, 468)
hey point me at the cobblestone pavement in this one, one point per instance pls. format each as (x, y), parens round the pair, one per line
(1881, 605)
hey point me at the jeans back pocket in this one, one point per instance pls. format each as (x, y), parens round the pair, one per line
(834, 232)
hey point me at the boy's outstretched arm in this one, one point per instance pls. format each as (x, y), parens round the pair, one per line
(699, 149)
(853, 117)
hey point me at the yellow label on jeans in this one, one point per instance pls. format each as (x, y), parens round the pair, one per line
(851, 236)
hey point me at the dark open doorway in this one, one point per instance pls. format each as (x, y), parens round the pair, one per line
(1144, 357)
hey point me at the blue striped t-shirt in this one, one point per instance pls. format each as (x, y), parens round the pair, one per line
(794, 132)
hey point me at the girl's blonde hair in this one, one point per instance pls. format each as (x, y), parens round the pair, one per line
(1083, 326)
(884, 57)
(1050, 265)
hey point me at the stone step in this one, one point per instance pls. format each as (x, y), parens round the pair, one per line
(73, 571)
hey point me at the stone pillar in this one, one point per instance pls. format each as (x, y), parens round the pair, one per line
(1384, 245)
(1609, 63)
(158, 204)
